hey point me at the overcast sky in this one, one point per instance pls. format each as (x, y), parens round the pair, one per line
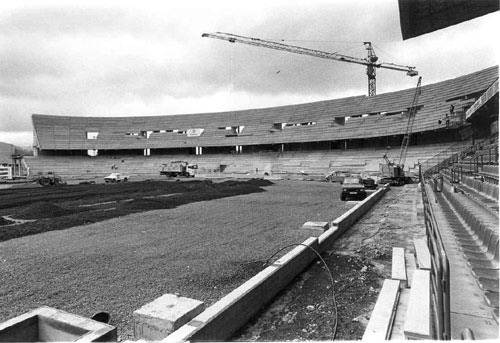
(148, 59)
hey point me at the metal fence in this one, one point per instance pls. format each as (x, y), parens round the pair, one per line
(440, 273)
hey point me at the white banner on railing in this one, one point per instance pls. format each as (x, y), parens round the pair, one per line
(194, 132)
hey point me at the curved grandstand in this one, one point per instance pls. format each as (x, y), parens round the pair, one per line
(347, 118)
(334, 132)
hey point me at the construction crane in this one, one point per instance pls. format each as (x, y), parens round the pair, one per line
(409, 126)
(392, 171)
(371, 61)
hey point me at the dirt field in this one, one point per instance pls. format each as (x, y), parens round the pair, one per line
(200, 248)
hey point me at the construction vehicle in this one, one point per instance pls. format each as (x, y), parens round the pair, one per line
(371, 61)
(336, 176)
(49, 179)
(178, 168)
(369, 183)
(392, 172)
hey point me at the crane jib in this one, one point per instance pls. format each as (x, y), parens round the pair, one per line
(369, 61)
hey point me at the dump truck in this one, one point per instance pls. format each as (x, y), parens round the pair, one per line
(178, 168)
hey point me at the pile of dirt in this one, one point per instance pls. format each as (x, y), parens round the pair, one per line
(44, 204)
(40, 210)
(4, 221)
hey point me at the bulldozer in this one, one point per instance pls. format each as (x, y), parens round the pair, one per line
(49, 179)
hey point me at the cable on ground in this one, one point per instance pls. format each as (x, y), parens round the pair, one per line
(334, 327)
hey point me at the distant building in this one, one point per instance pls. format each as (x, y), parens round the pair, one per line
(6, 152)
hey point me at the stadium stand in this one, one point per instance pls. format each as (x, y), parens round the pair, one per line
(378, 116)
(466, 190)
(313, 138)
(317, 163)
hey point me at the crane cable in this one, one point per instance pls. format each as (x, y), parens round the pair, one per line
(334, 326)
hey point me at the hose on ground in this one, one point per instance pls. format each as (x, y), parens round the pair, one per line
(334, 326)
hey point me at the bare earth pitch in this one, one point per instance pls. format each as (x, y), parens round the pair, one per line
(200, 250)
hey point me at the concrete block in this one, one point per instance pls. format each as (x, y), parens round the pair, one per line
(157, 319)
(46, 324)
(316, 225)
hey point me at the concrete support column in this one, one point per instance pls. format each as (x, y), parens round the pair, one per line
(239, 149)
(147, 152)
(282, 149)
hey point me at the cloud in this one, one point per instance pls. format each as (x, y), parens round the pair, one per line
(134, 59)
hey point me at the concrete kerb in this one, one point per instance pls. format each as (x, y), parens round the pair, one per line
(346, 220)
(226, 316)
(219, 321)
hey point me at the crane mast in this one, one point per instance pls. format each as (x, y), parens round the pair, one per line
(371, 61)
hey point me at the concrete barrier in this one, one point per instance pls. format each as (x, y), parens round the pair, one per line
(226, 316)
(345, 221)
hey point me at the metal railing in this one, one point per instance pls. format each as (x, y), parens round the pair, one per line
(440, 272)
(442, 159)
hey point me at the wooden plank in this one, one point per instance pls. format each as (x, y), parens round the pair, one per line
(422, 254)
(418, 316)
(380, 325)
(399, 266)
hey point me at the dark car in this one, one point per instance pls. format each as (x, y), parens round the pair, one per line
(369, 183)
(352, 188)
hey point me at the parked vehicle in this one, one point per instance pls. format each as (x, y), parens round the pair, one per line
(352, 188)
(178, 168)
(369, 183)
(115, 178)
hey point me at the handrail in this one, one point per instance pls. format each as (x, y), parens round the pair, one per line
(440, 271)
